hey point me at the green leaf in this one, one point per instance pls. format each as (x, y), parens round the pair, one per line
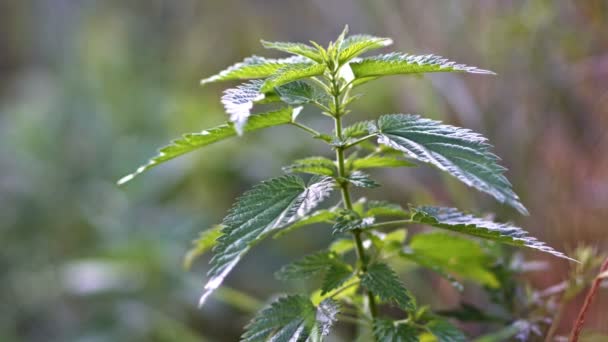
(313, 165)
(384, 208)
(253, 67)
(335, 276)
(300, 92)
(292, 318)
(445, 331)
(205, 242)
(390, 331)
(380, 161)
(238, 102)
(453, 254)
(362, 180)
(319, 216)
(355, 45)
(454, 220)
(290, 73)
(295, 48)
(192, 141)
(400, 63)
(348, 220)
(460, 152)
(308, 266)
(268, 207)
(382, 281)
(358, 129)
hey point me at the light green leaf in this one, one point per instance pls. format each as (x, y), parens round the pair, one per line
(313, 165)
(445, 331)
(253, 67)
(384, 208)
(456, 255)
(295, 48)
(268, 207)
(460, 152)
(193, 141)
(382, 281)
(355, 45)
(362, 180)
(454, 220)
(292, 318)
(308, 266)
(380, 161)
(358, 129)
(390, 331)
(400, 63)
(292, 72)
(204, 243)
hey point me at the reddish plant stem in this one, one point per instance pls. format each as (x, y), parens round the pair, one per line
(580, 320)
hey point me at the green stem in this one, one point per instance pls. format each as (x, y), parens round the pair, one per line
(306, 128)
(363, 261)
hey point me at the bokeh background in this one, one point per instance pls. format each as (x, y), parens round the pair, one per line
(90, 89)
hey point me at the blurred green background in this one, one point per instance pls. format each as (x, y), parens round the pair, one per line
(90, 89)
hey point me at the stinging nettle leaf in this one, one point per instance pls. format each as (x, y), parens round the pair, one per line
(290, 73)
(308, 266)
(193, 141)
(362, 180)
(382, 281)
(238, 102)
(254, 67)
(454, 220)
(295, 48)
(380, 162)
(390, 331)
(336, 275)
(348, 220)
(312, 165)
(445, 331)
(400, 63)
(268, 207)
(204, 243)
(458, 151)
(292, 318)
(355, 45)
(300, 92)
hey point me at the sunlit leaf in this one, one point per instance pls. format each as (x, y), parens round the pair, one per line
(295, 48)
(269, 206)
(445, 331)
(400, 63)
(362, 180)
(380, 162)
(460, 152)
(204, 243)
(454, 220)
(382, 281)
(238, 102)
(355, 45)
(313, 165)
(292, 72)
(193, 141)
(253, 67)
(391, 331)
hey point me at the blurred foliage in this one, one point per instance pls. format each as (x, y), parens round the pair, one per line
(90, 88)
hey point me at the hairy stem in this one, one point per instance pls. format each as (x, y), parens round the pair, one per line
(344, 187)
(580, 320)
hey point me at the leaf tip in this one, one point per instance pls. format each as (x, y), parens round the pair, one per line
(125, 179)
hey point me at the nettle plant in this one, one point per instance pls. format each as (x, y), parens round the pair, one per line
(358, 283)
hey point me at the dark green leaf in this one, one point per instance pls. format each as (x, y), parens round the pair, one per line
(192, 141)
(380, 161)
(382, 281)
(205, 242)
(292, 72)
(454, 220)
(348, 220)
(399, 63)
(460, 152)
(269, 206)
(292, 318)
(320, 216)
(312, 165)
(355, 45)
(335, 276)
(253, 67)
(362, 180)
(390, 331)
(445, 331)
(453, 254)
(295, 48)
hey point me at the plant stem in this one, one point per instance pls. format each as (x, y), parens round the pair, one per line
(580, 320)
(306, 128)
(344, 187)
